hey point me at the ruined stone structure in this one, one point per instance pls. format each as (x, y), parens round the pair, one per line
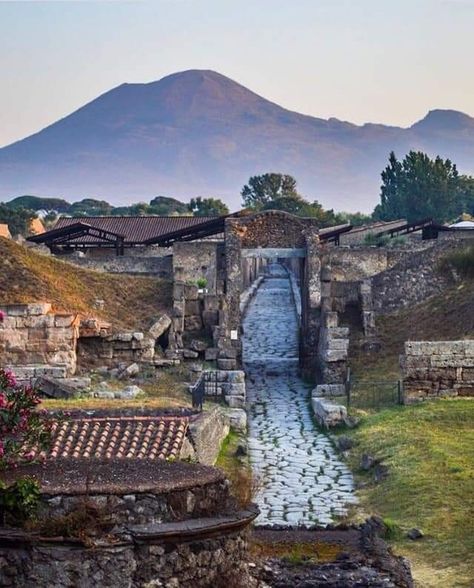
(434, 369)
(170, 524)
(40, 341)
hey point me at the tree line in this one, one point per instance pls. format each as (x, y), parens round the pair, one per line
(414, 188)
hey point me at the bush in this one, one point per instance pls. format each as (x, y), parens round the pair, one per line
(19, 501)
(201, 282)
(24, 431)
(460, 261)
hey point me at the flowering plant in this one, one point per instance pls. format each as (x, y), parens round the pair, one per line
(24, 430)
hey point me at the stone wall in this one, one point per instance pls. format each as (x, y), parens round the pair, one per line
(181, 528)
(206, 433)
(357, 263)
(198, 259)
(114, 349)
(160, 266)
(433, 369)
(413, 279)
(141, 559)
(31, 335)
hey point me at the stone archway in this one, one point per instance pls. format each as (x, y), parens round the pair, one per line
(275, 234)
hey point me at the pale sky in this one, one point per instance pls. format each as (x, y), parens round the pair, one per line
(388, 61)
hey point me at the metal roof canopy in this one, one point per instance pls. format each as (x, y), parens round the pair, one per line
(63, 235)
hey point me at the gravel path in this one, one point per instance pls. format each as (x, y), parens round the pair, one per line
(303, 481)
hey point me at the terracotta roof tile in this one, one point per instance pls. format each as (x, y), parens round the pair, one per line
(118, 438)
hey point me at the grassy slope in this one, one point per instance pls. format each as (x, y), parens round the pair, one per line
(130, 302)
(429, 449)
(446, 317)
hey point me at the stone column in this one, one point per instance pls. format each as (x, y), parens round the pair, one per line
(311, 304)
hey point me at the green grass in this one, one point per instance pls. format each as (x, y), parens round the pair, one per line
(429, 449)
(168, 390)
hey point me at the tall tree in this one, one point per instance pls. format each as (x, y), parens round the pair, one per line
(208, 207)
(267, 188)
(419, 187)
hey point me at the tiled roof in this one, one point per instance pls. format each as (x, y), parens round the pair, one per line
(147, 438)
(135, 229)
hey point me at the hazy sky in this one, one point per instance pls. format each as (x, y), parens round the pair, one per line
(384, 61)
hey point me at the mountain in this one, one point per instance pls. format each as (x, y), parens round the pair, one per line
(200, 133)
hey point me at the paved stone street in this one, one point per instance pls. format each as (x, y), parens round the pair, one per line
(302, 479)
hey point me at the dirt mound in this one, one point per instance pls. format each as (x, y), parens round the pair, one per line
(130, 301)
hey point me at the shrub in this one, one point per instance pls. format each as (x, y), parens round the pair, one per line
(22, 427)
(460, 261)
(201, 282)
(19, 501)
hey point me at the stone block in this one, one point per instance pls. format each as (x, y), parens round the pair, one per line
(38, 308)
(328, 414)
(339, 333)
(236, 389)
(226, 364)
(338, 344)
(137, 336)
(192, 308)
(228, 353)
(237, 419)
(236, 376)
(190, 354)
(211, 354)
(63, 320)
(15, 309)
(130, 371)
(192, 323)
(191, 292)
(235, 401)
(211, 302)
(210, 318)
(334, 355)
(160, 326)
(330, 319)
(329, 390)
(178, 290)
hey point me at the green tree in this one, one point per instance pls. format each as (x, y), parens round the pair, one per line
(90, 207)
(208, 207)
(419, 187)
(165, 206)
(17, 219)
(39, 203)
(266, 189)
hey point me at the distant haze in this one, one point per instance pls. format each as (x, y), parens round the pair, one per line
(200, 133)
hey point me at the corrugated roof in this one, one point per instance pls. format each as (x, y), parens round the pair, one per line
(118, 438)
(135, 229)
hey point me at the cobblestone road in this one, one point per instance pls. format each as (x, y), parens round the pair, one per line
(303, 481)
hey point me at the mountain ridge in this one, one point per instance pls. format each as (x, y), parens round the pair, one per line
(198, 132)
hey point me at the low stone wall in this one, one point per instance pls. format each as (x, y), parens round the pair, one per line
(143, 558)
(206, 434)
(111, 350)
(151, 265)
(167, 524)
(433, 369)
(33, 336)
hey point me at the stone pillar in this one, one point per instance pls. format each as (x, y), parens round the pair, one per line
(311, 304)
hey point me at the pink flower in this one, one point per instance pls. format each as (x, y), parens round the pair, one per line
(3, 400)
(2, 451)
(2, 315)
